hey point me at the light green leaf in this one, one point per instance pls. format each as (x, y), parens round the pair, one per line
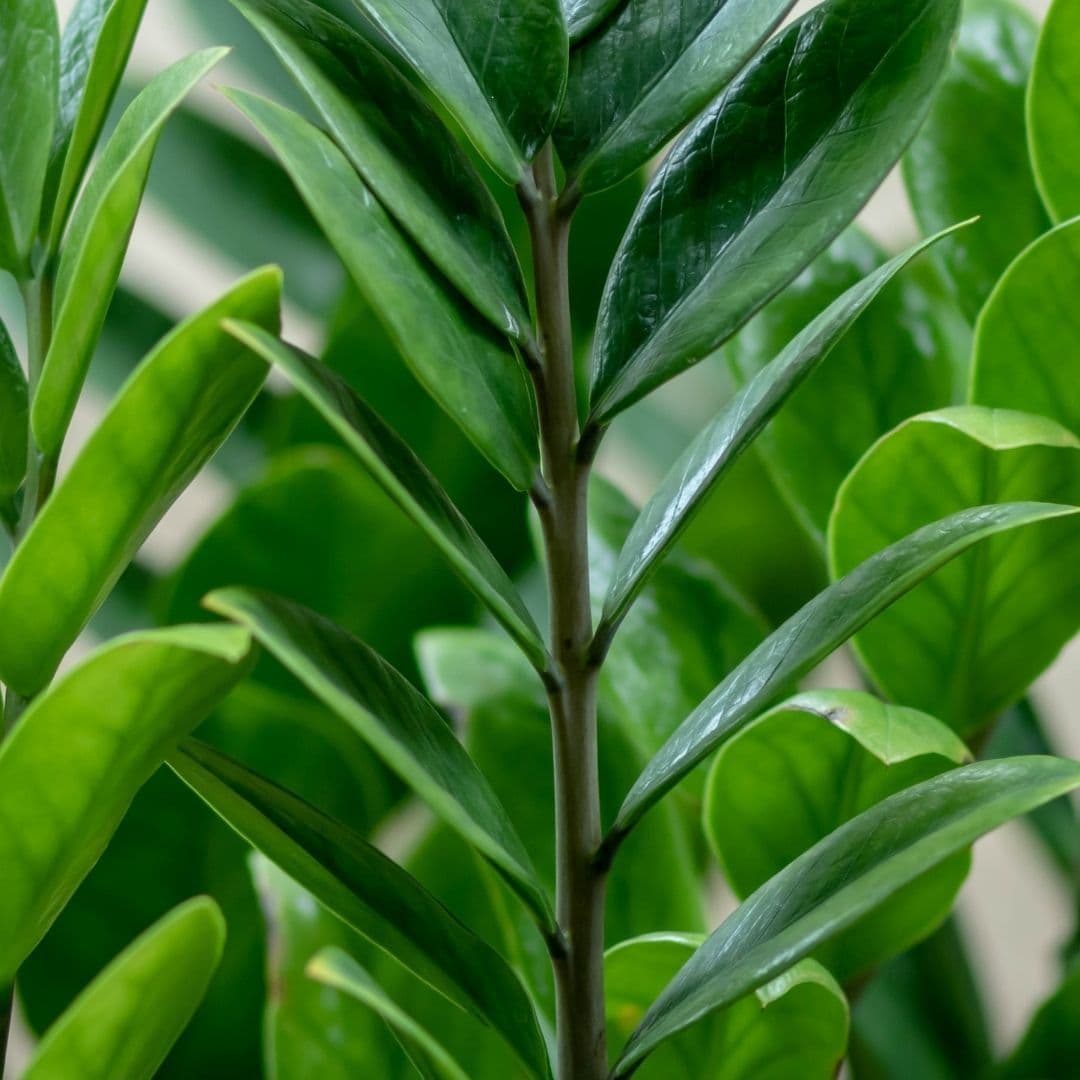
(1027, 334)
(369, 892)
(400, 724)
(793, 1027)
(401, 474)
(127, 1019)
(13, 429)
(29, 71)
(813, 633)
(968, 643)
(840, 879)
(403, 152)
(970, 157)
(167, 421)
(500, 70)
(335, 968)
(79, 754)
(94, 51)
(706, 460)
(806, 767)
(94, 252)
(473, 374)
(648, 70)
(1053, 113)
(762, 183)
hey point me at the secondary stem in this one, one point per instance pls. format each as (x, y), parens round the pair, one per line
(562, 506)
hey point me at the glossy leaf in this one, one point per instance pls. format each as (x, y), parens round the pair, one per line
(1026, 334)
(739, 422)
(499, 71)
(335, 968)
(762, 183)
(170, 417)
(813, 633)
(473, 375)
(13, 408)
(794, 1026)
(406, 480)
(403, 152)
(805, 768)
(370, 893)
(968, 643)
(400, 724)
(970, 157)
(82, 750)
(126, 1020)
(648, 70)
(841, 878)
(583, 16)
(94, 51)
(94, 253)
(29, 71)
(1053, 114)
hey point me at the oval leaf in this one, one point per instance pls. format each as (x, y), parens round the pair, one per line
(762, 183)
(127, 1019)
(841, 878)
(167, 421)
(78, 755)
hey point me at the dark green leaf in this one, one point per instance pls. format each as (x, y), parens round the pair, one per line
(406, 480)
(171, 416)
(125, 1021)
(648, 70)
(971, 155)
(474, 375)
(499, 70)
(1052, 1038)
(583, 16)
(81, 751)
(812, 634)
(762, 183)
(841, 878)
(369, 892)
(13, 431)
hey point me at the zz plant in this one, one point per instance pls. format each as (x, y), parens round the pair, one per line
(549, 921)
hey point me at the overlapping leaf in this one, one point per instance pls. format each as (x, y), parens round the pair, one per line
(13, 411)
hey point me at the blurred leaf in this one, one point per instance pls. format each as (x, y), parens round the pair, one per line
(968, 643)
(126, 1020)
(171, 416)
(763, 182)
(13, 431)
(1052, 1037)
(97, 241)
(841, 878)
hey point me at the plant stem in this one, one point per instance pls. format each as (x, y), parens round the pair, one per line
(562, 506)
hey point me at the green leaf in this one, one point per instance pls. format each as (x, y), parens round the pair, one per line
(584, 16)
(968, 643)
(13, 430)
(1027, 332)
(705, 461)
(401, 474)
(473, 375)
(841, 878)
(370, 893)
(499, 70)
(168, 420)
(403, 152)
(970, 157)
(399, 723)
(762, 183)
(126, 1020)
(793, 1027)
(29, 72)
(335, 968)
(94, 252)
(813, 633)
(1051, 1037)
(1053, 115)
(80, 752)
(94, 51)
(805, 768)
(645, 73)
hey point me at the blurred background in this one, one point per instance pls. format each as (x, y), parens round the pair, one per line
(216, 208)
